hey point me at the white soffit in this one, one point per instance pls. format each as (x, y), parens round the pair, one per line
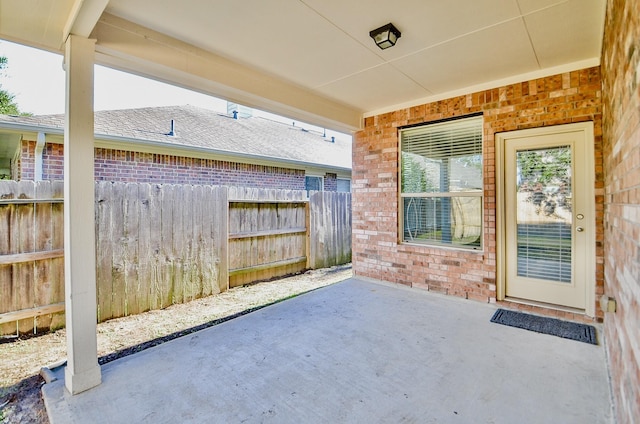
(37, 23)
(280, 37)
(376, 87)
(500, 51)
(568, 32)
(314, 58)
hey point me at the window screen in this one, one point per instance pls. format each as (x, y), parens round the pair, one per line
(441, 183)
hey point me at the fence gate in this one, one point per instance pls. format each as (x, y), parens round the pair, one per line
(267, 239)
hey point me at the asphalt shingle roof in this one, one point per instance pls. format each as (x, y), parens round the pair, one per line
(204, 129)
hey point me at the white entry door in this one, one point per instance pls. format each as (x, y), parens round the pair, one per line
(549, 215)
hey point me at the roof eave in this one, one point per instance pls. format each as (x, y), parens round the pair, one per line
(113, 141)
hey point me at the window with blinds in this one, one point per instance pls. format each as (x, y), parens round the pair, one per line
(441, 184)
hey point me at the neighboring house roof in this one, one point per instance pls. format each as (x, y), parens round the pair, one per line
(205, 131)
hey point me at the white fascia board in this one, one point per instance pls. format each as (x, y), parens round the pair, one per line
(30, 131)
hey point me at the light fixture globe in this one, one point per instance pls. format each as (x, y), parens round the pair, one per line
(385, 36)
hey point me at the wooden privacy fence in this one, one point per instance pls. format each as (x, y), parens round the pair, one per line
(31, 256)
(330, 229)
(157, 245)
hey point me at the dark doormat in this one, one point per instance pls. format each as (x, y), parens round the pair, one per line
(568, 330)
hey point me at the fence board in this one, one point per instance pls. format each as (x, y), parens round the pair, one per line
(32, 313)
(180, 206)
(16, 258)
(157, 259)
(206, 254)
(23, 236)
(193, 244)
(43, 242)
(221, 230)
(131, 209)
(104, 249)
(144, 247)
(7, 191)
(119, 293)
(57, 242)
(167, 266)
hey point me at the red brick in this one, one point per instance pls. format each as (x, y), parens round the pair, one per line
(620, 140)
(129, 166)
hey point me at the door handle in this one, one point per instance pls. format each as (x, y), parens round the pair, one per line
(579, 229)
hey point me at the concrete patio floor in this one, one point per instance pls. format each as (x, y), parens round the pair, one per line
(355, 352)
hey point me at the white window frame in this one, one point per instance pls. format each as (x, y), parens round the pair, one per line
(476, 193)
(343, 179)
(321, 177)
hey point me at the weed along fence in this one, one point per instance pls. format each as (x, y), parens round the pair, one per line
(157, 245)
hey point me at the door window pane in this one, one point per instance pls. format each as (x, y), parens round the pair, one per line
(544, 217)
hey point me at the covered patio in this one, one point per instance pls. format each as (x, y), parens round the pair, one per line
(356, 351)
(519, 64)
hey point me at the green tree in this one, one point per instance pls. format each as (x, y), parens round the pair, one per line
(7, 104)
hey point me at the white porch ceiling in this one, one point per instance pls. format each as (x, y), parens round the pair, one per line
(313, 59)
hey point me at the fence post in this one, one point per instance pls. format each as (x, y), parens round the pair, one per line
(307, 220)
(223, 236)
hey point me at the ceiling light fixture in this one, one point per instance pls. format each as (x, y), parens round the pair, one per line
(385, 36)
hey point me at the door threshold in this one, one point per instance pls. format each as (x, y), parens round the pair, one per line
(544, 305)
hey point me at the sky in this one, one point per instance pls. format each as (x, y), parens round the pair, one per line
(36, 79)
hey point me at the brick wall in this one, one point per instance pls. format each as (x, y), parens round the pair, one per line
(330, 182)
(52, 162)
(26, 163)
(127, 166)
(119, 165)
(558, 99)
(621, 97)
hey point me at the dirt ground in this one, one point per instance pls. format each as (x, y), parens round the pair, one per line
(21, 359)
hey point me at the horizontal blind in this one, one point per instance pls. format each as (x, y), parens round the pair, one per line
(443, 157)
(462, 137)
(544, 215)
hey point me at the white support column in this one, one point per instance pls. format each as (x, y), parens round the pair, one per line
(82, 371)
